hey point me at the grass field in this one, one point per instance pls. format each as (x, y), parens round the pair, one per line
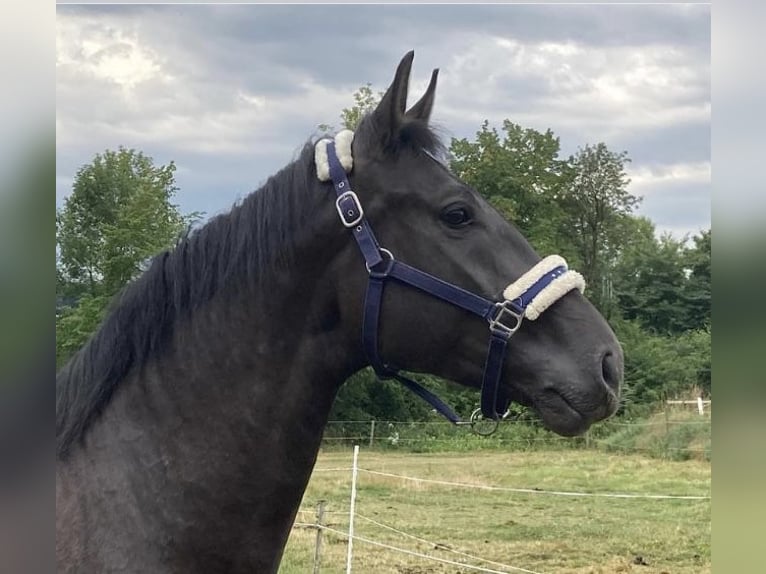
(538, 532)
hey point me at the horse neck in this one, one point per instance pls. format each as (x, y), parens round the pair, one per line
(225, 428)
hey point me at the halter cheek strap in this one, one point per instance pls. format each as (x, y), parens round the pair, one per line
(527, 297)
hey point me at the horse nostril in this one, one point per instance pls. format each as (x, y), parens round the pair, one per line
(610, 370)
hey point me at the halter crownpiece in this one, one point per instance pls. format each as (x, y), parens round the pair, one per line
(342, 141)
(527, 297)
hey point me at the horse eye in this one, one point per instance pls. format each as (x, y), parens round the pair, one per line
(456, 216)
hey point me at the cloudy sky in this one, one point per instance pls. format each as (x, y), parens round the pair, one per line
(230, 93)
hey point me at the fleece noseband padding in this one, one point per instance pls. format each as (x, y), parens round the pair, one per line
(551, 293)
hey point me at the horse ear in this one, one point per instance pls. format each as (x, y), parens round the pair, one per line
(422, 109)
(389, 114)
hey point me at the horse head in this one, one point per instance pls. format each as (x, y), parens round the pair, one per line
(563, 359)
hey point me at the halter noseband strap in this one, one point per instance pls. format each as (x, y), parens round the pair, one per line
(536, 290)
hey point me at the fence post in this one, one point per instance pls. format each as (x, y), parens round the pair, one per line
(354, 473)
(666, 446)
(700, 406)
(318, 548)
(372, 431)
(587, 438)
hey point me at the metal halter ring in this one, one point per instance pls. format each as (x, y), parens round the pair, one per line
(483, 426)
(389, 262)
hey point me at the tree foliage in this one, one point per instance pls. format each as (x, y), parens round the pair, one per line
(659, 366)
(520, 173)
(117, 217)
(365, 101)
(662, 282)
(698, 289)
(598, 211)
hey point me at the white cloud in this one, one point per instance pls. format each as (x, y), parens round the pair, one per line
(87, 48)
(134, 96)
(219, 89)
(647, 180)
(603, 91)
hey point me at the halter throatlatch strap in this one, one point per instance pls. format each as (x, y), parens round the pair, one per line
(530, 295)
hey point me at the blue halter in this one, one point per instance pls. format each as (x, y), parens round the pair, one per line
(504, 317)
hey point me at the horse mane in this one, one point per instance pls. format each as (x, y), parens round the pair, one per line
(246, 246)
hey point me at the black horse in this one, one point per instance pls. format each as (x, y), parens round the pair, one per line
(189, 424)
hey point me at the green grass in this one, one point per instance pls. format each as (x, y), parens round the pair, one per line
(678, 434)
(539, 532)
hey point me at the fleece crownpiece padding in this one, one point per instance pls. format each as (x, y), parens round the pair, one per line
(343, 140)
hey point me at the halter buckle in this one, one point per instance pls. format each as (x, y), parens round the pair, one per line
(496, 324)
(349, 208)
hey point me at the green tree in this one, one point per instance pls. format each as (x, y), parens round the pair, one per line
(698, 291)
(365, 101)
(649, 280)
(363, 397)
(598, 219)
(117, 217)
(661, 282)
(662, 365)
(520, 173)
(74, 324)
